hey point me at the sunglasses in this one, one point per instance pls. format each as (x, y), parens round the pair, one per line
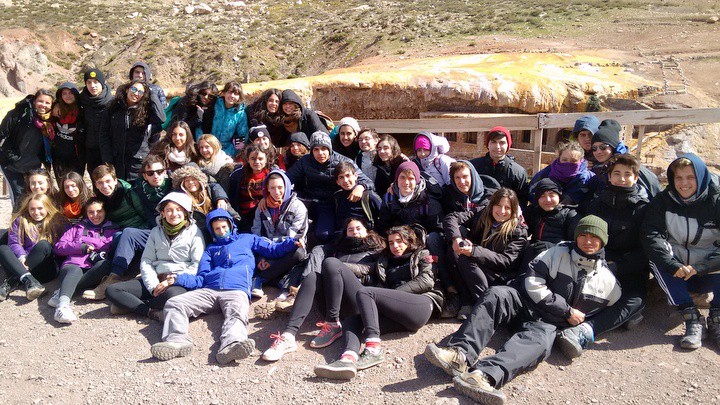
(137, 91)
(602, 147)
(206, 94)
(154, 172)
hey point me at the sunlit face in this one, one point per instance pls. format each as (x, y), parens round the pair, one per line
(685, 182)
(549, 200)
(134, 94)
(396, 244)
(296, 148)
(38, 184)
(206, 150)
(106, 185)
(173, 213)
(462, 180)
(602, 151)
(179, 137)
(263, 141)
(589, 243)
(43, 103)
(95, 213)
(367, 141)
(584, 138)
(276, 189)
(139, 73)
(258, 161)
(347, 135)
(71, 189)
(422, 153)
(622, 176)
(231, 98)
(191, 184)
(498, 148)
(406, 183)
(502, 211)
(384, 151)
(321, 154)
(347, 180)
(273, 103)
(289, 107)
(37, 210)
(569, 156)
(155, 174)
(67, 96)
(94, 87)
(355, 229)
(220, 227)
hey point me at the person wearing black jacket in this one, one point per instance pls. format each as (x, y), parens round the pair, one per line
(465, 191)
(367, 207)
(69, 131)
(192, 106)
(94, 98)
(389, 156)
(265, 110)
(501, 166)
(296, 118)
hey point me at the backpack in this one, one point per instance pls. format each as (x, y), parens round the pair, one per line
(169, 112)
(326, 120)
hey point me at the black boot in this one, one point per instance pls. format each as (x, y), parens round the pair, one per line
(713, 325)
(33, 288)
(694, 325)
(9, 285)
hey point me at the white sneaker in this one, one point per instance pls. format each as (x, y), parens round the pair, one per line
(283, 344)
(55, 299)
(65, 315)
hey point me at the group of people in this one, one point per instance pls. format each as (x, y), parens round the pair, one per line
(210, 200)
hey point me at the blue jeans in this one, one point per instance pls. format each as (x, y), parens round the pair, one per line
(678, 290)
(130, 245)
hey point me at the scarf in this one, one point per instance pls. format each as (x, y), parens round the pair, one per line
(173, 230)
(42, 122)
(564, 172)
(251, 190)
(72, 210)
(69, 118)
(177, 156)
(351, 244)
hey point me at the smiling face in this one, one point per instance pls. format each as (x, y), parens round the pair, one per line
(263, 141)
(462, 180)
(173, 213)
(273, 103)
(289, 107)
(367, 141)
(321, 154)
(95, 213)
(205, 96)
(296, 148)
(589, 243)
(602, 151)
(37, 210)
(258, 161)
(347, 180)
(276, 189)
(106, 185)
(38, 184)
(71, 189)
(220, 227)
(134, 94)
(584, 138)
(549, 200)
(94, 87)
(231, 98)
(347, 135)
(622, 176)
(406, 183)
(67, 96)
(502, 211)
(396, 244)
(422, 153)
(43, 103)
(191, 185)
(686, 183)
(206, 150)
(356, 229)
(498, 148)
(384, 151)
(179, 137)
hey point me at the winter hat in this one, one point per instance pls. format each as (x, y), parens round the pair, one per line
(607, 134)
(586, 123)
(546, 184)
(189, 170)
(593, 225)
(501, 130)
(258, 132)
(67, 85)
(422, 141)
(320, 138)
(178, 198)
(612, 124)
(94, 73)
(300, 138)
(351, 122)
(408, 165)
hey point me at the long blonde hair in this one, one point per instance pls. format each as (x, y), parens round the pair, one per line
(502, 236)
(49, 229)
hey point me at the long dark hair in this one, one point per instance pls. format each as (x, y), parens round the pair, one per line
(85, 191)
(260, 111)
(408, 235)
(193, 92)
(164, 146)
(506, 228)
(252, 148)
(394, 146)
(140, 114)
(373, 241)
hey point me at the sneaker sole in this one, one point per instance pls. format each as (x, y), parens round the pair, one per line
(34, 294)
(436, 361)
(477, 395)
(165, 352)
(237, 351)
(265, 311)
(93, 297)
(289, 350)
(364, 366)
(65, 321)
(690, 346)
(568, 348)
(334, 373)
(326, 344)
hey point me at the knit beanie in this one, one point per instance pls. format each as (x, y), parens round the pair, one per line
(612, 124)
(586, 123)
(320, 138)
(178, 198)
(594, 226)
(258, 132)
(546, 184)
(351, 122)
(607, 134)
(96, 74)
(499, 130)
(422, 142)
(408, 165)
(300, 138)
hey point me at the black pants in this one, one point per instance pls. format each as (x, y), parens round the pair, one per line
(340, 285)
(133, 295)
(74, 279)
(39, 260)
(92, 157)
(631, 302)
(530, 345)
(280, 267)
(469, 278)
(384, 310)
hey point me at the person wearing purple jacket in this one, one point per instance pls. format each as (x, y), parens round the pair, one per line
(85, 247)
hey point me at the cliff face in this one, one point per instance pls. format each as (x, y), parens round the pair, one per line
(507, 82)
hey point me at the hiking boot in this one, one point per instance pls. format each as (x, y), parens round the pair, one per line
(450, 359)
(65, 314)
(694, 328)
(476, 385)
(464, 312)
(634, 321)
(452, 307)
(257, 291)
(282, 345)
(266, 310)
(235, 351)
(343, 369)
(713, 326)
(368, 359)
(98, 293)
(9, 285)
(33, 288)
(155, 315)
(118, 310)
(169, 350)
(329, 332)
(54, 300)
(573, 341)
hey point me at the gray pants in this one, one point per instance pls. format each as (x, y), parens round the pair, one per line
(234, 305)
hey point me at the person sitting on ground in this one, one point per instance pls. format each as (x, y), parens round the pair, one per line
(367, 208)
(431, 156)
(367, 141)
(222, 282)
(389, 157)
(173, 247)
(299, 147)
(680, 234)
(245, 185)
(570, 171)
(564, 286)
(226, 119)
(177, 147)
(466, 191)
(37, 181)
(141, 71)
(345, 140)
(405, 298)
(205, 196)
(583, 131)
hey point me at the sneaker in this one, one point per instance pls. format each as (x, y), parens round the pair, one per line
(33, 288)
(713, 326)
(65, 314)
(464, 312)
(169, 350)
(573, 341)
(694, 329)
(450, 359)
(452, 307)
(282, 345)
(338, 370)
(329, 332)
(368, 359)
(55, 299)
(235, 351)
(98, 293)
(9, 285)
(257, 291)
(118, 310)
(634, 321)
(266, 310)
(476, 385)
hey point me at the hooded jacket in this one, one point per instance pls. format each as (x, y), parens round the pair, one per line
(226, 124)
(229, 262)
(21, 142)
(455, 200)
(385, 174)
(315, 181)
(437, 163)
(507, 172)
(421, 209)
(75, 241)
(423, 276)
(292, 220)
(154, 88)
(309, 120)
(93, 109)
(70, 134)
(677, 232)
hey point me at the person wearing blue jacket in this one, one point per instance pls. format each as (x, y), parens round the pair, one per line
(226, 119)
(223, 280)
